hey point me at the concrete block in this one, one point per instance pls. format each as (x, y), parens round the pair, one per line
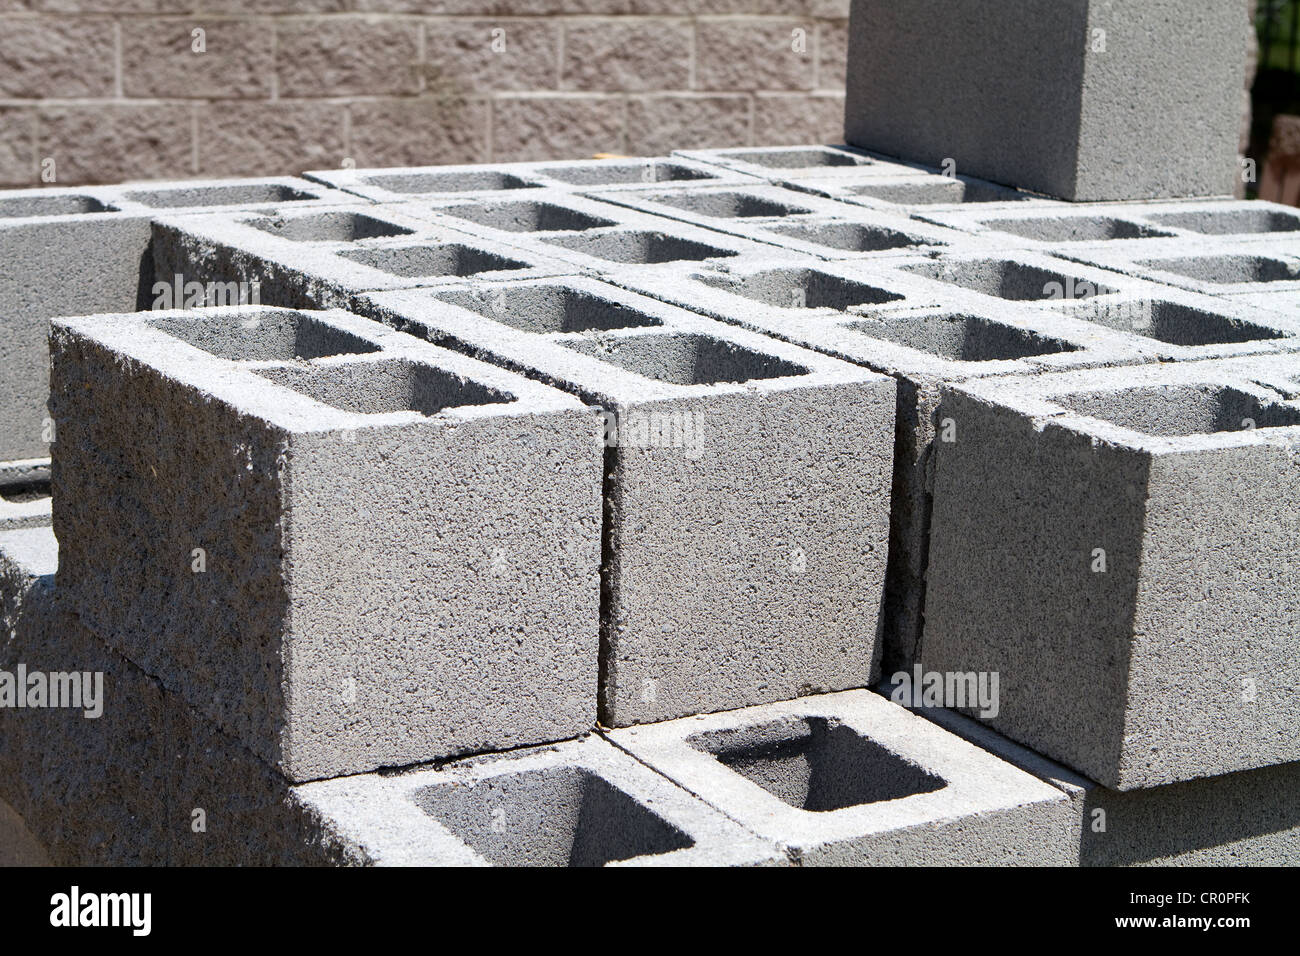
(282, 440)
(24, 496)
(1085, 100)
(1247, 818)
(323, 258)
(18, 845)
(852, 779)
(223, 194)
(1109, 542)
(799, 221)
(746, 485)
(1210, 265)
(65, 252)
(779, 163)
(480, 181)
(919, 191)
(581, 803)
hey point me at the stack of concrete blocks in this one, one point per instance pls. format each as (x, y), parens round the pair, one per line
(559, 513)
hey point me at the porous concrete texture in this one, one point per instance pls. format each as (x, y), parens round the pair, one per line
(581, 803)
(1083, 100)
(746, 488)
(1248, 818)
(321, 258)
(260, 592)
(1124, 577)
(919, 333)
(147, 781)
(853, 779)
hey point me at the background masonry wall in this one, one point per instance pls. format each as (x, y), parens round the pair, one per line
(111, 90)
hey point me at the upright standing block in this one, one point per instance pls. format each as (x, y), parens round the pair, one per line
(1120, 545)
(1081, 99)
(349, 548)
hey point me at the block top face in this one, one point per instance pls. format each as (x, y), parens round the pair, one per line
(581, 803)
(776, 163)
(609, 345)
(19, 204)
(1164, 409)
(798, 221)
(201, 195)
(303, 371)
(1210, 265)
(890, 321)
(403, 184)
(831, 768)
(360, 247)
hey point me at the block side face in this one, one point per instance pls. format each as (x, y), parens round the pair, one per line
(167, 508)
(1161, 101)
(750, 569)
(991, 79)
(1018, 517)
(478, 546)
(1214, 676)
(55, 268)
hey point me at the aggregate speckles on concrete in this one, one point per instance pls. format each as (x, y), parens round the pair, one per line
(853, 779)
(746, 484)
(398, 545)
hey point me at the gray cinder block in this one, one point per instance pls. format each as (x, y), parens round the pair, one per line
(852, 779)
(805, 223)
(746, 484)
(320, 258)
(229, 194)
(65, 252)
(780, 163)
(349, 548)
(581, 803)
(1110, 543)
(1247, 818)
(1081, 99)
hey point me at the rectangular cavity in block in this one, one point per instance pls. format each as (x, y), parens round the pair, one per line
(1175, 323)
(17, 207)
(550, 308)
(380, 388)
(818, 764)
(1008, 279)
(1230, 222)
(687, 359)
(242, 194)
(735, 204)
(273, 336)
(328, 227)
(561, 816)
(528, 216)
(962, 337)
(458, 181)
(1226, 269)
(433, 260)
(1177, 410)
(1075, 228)
(638, 247)
(801, 288)
(935, 191)
(850, 236)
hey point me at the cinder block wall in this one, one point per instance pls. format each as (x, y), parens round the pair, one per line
(113, 90)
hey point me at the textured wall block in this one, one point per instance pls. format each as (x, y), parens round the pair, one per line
(1110, 543)
(852, 779)
(581, 803)
(746, 484)
(317, 258)
(347, 547)
(1081, 99)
